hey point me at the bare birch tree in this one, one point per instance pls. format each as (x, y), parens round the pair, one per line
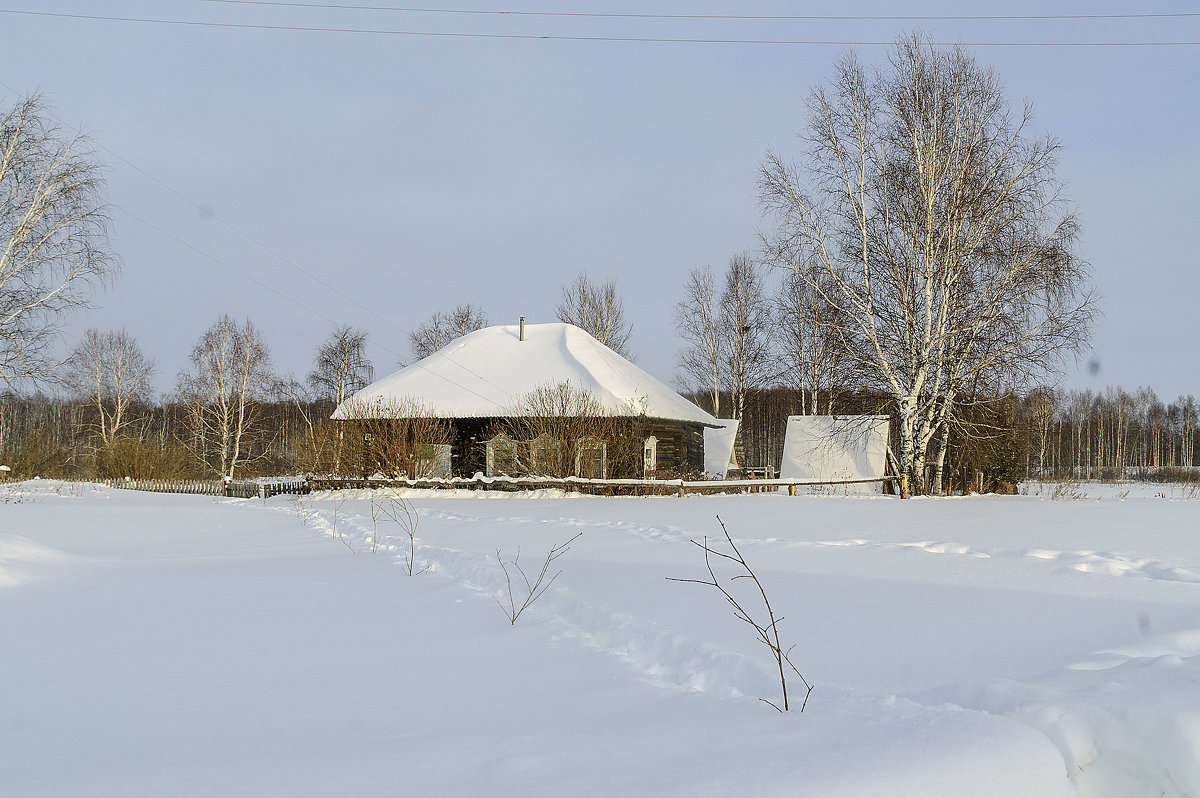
(810, 348)
(598, 310)
(111, 374)
(340, 370)
(229, 378)
(701, 358)
(744, 323)
(940, 230)
(342, 367)
(54, 250)
(443, 327)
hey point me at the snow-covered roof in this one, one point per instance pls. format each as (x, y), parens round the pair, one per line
(488, 372)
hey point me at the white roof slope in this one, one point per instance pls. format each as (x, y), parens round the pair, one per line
(487, 372)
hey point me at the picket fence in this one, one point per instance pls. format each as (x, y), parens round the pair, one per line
(601, 486)
(237, 489)
(264, 489)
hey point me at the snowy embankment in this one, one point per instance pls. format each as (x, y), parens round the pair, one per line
(181, 645)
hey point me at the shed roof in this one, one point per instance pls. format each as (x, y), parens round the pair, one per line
(486, 373)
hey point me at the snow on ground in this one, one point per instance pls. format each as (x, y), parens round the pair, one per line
(185, 646)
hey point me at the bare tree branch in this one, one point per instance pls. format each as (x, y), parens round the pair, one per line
(54, 249)
(442, 328)
(521, 596)
(598, 310)
(930, 220)
(766, 630)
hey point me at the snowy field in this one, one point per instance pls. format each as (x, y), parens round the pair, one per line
(1027, 646)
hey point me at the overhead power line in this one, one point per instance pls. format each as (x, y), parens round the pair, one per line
(285, 260)
(739, 17)
(549, 37)
(314, 311)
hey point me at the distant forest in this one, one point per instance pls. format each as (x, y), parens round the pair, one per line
(1046, 434)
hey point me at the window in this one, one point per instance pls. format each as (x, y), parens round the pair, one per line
(545, 455)
(591, 458)
(503, 459)
(432, 461)
(650, 457)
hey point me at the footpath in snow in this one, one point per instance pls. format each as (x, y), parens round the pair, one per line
(177, 645)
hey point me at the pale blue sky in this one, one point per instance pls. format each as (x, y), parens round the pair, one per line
(415, 173)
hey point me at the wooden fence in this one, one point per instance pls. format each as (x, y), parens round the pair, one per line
(237, 489)
(252, 489)
(626, 487)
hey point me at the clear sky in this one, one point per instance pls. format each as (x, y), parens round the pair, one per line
(412, 173)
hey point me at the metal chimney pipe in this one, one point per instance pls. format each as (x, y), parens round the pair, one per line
(522, 328)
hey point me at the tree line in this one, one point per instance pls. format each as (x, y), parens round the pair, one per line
(231, 414)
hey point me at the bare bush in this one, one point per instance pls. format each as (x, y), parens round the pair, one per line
(403, 515)
(40, 452)
(131, 456)
(397, 439)
(564, 430)
(1068, 491)
(521, 596)
(767, 629)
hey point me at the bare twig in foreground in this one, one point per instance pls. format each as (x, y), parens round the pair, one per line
(768, 632)
(403, 515)
(519, 598)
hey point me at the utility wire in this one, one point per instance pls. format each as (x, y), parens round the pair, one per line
(234, 269)
(532, 36)
(231, 227)
(303, 306)
(749, 17)
(288, 262)
(285, 260)
(208, 213)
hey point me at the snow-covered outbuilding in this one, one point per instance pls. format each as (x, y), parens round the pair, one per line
(481, 382)
(836, 448)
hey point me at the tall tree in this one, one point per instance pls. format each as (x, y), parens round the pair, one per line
(941, 233)
(597, 309)
(809, 344)
(229, 378)
(111, 374)
(745, 323)
(341, 367)
(54, 249)
(443, 327)
(701, 358)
